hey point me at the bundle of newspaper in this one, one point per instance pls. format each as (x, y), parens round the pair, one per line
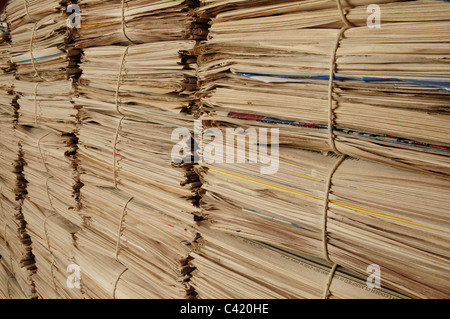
(125, 140)
(153, 81)
(132, 99)
(51, 206)
(354, 212)
(45, 68)
(53, 246)
(103, 277)
(139, 204)
(15, 242)
(10, 160)
(19, 13)
(232, 267)
(50, 170)
(137, 21)
(140, 236)
(17, 262)
(369, 92)
(46, 63)
(9, 286)
(5, 59)
(138, 161)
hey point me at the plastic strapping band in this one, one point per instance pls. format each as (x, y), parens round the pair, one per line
(117, 281)
(325, 206)
(326, 293)
(123, 22)
(331, 115)
(122, 218)
(116, 139)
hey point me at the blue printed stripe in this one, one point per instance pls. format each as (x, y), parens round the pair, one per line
(42, 57)
(437, 83)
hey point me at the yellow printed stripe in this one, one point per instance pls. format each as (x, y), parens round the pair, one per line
(280, 188)
(338, 203)
(96, 24)
(376, 213)
(94, 209)
(307, 176)
(370, 190)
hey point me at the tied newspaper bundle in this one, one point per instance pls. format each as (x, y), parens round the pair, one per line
(137, 21)
(352, 212)
(150, 81)
(50, 170)
(9, 286)
(19, 13)
(125, 137)
(138, 204)
(104, 277)
(17, 263)
(46, 63)
(10, 148)
(125, 151)
(53, 241)
(132, 247)
(5, 61)
(51, 207)
(230, 267)
(328, 81)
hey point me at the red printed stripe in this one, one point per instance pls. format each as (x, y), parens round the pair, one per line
(245, 116)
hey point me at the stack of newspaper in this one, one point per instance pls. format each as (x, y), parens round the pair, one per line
(331, 77)
(137, 21)
(9, 286)
(225, 149)
(45, 67)
(138, 201)
(46, 63)
(371, 214)
(375, 91)
(145, 238)
(228, 266)
(16, 262)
